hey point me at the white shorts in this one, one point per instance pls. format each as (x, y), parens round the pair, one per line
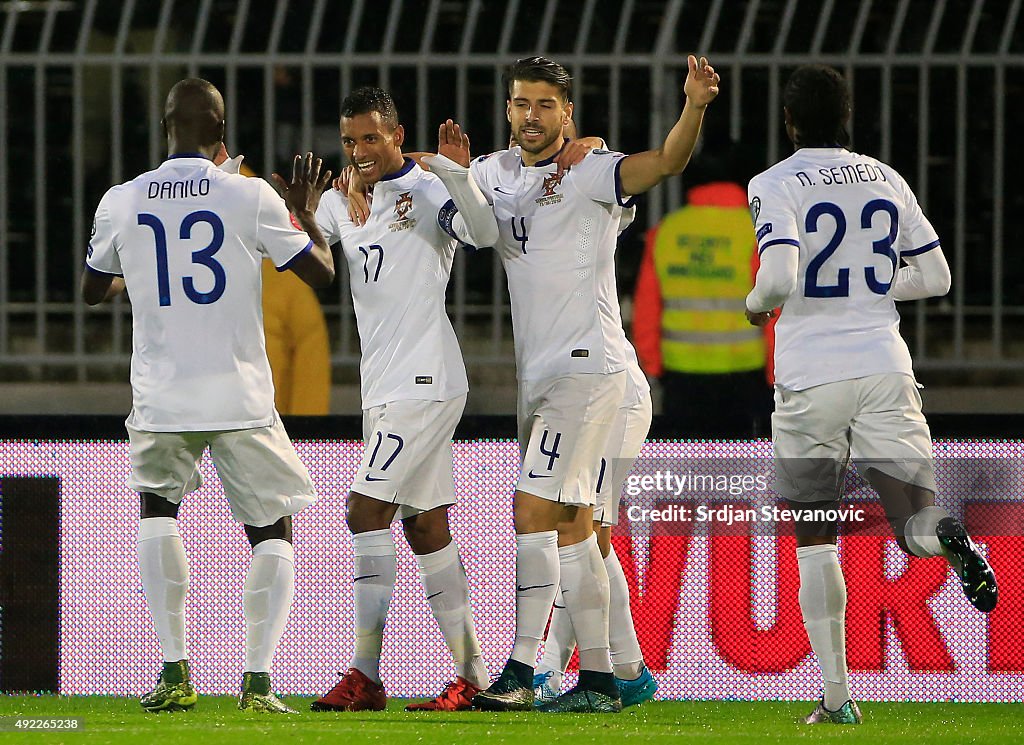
(407, 458)
(628, 433)
(263, 478)
(564, 424)
(877, 420)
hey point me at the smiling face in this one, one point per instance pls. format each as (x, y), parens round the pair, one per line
(537, 113)
(372, 145)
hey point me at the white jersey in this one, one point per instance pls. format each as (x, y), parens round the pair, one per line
(852, 217)
(399, 263)
(188, 239)
(561, 231)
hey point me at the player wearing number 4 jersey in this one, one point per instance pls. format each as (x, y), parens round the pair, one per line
(187, 240)
(841, 239)
(557, 243)
(413, 385)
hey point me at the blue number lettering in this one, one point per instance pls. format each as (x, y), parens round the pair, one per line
(553, 452)
(882, 246)
(366, 258)
(521, 237)
(811, 286)
(163, 283)
(204, 257)
(600, 475)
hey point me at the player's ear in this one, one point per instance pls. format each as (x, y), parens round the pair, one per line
(399, 135)
(508, 111)
(567, 113)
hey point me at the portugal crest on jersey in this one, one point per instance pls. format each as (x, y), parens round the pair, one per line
(551, 183)
(403, 204)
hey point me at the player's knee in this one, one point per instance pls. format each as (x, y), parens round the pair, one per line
(427, 532)
(280, 530)
(151, 505)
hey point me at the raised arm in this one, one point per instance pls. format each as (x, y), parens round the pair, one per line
(645, 170)
(302, 196)
(474, 222)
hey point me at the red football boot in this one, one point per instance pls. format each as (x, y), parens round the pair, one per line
(457, 696)
(354, 692)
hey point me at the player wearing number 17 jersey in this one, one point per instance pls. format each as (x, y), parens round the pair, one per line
(413, 385)
(187, 240)
(842, 238)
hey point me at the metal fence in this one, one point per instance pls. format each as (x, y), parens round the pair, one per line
(937, 91)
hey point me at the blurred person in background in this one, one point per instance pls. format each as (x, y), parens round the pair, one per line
(698, 265)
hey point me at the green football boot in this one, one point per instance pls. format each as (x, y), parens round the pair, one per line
(173, 692)
(257, 696)
(581, 701)
(975, 573)
(848, 713)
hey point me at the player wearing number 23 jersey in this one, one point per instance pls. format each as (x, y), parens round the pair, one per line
(853, 219)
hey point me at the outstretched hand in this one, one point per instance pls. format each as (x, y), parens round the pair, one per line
(702, 81)
(452, 143)
(302, 194)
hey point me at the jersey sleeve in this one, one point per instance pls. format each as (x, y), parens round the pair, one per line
(917, 236)
(597, 177)
(482, 170)
(328, 215)
(773, 213)
(101, 255)
(279, 238)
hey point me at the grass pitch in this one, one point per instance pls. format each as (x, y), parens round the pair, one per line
(215, 720)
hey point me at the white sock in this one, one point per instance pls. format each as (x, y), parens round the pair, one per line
(558, 644)
(823, 605)
(585, 591)
(627, 659)
(164, 571)
(920, 532)
(536, 585)
(444, 582)
(373, 582)
(266, 600)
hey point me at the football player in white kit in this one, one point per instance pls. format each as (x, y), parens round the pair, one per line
(413, 385)
(187, 240)
(625, 440)
(557, 242)
(833, 228)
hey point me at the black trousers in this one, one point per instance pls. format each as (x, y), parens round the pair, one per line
(727, 405)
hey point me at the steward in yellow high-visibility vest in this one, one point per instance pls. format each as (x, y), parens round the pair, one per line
(689, 323)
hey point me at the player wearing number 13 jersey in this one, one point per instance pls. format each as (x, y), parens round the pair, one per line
(413, 385)
(187, 240)
(841, 239)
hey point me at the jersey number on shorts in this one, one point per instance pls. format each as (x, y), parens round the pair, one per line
(203, 256)
(399, 444)
(365, 251)
(553, 452)
(883, 247)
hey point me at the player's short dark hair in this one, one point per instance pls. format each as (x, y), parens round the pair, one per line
(538, 70)
(819, 101)
(370, 98)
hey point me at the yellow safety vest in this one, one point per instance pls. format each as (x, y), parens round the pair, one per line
(702, 256)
